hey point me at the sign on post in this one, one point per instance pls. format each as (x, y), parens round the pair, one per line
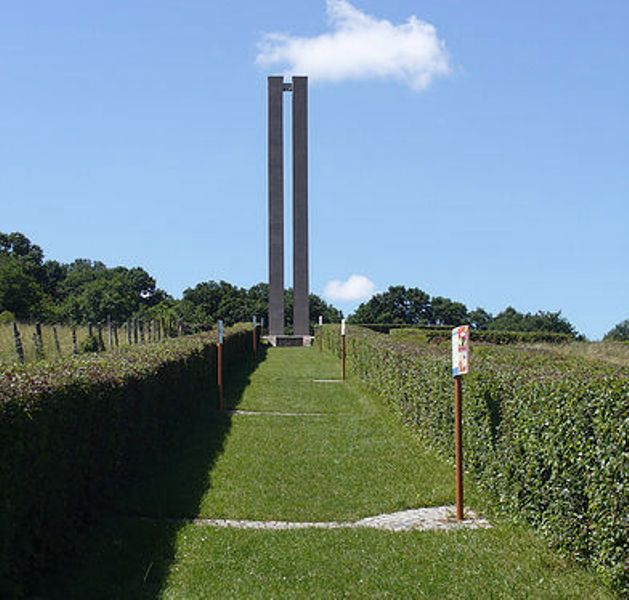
(460, 350)
(343, 327)
(220, 331)
(460, 366)
(255, 321)
(320, 319)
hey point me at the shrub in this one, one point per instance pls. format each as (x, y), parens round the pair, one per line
(546, 434)
(6, 317)
(442, 334)
(73, 428)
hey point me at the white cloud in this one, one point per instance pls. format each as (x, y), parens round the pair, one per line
(357, 287)
(360, 46)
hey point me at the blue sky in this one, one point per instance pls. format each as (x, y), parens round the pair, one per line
(135, 133)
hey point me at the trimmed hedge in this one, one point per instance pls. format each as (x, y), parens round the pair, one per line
(72, 429)
(547, 435)
(430, 334)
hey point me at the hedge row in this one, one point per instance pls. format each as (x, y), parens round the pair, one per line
(547, 435)
(490, 337)
(71, 429)
(388, 327)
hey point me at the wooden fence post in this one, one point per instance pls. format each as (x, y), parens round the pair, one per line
(19, 349)
(55, 334)
(110, 333)
(75, 346)
(135, 330)
(39, 342)
(99, 338)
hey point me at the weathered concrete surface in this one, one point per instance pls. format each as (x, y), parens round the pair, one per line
(301, 317)
(276, 204)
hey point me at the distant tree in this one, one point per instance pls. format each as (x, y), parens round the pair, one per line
(20, 293)
(512, 320)
(92, 292)
(319, 307)
(209, 301)
(53, 275)
(618, 333)
(479, 318)
(448, 312)
(508, 320)
(258, 301)
(29, 255)
(410, 306)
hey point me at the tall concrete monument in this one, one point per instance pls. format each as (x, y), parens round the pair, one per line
(301, 317)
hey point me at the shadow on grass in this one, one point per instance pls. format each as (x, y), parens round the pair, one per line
(129, 551)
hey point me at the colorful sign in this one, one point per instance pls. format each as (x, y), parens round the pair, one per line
(460, 350)
(220, 331)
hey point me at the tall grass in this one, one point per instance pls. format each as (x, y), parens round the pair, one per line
(8, 354)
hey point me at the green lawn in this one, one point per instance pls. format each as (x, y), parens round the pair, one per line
(353, 461)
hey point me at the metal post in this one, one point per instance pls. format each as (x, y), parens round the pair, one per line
(343, 354)
(458, 446)
(219, 374)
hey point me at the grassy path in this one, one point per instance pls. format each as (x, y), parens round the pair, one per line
(353, 461)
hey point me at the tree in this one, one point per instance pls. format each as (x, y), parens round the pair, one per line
(618, 333)
(19, 291)
(397, 305)
(209, 301)
(318, 307)
(479, 318)
(512, 320)
(448, 312)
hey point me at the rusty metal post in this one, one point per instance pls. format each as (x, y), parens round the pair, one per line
(219, 374)
(255, 337)
(458, 446)
(343, 355)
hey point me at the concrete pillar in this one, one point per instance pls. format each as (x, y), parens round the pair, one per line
(301, 316)
(276, 205)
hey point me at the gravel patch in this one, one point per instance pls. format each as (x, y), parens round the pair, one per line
(420, 519)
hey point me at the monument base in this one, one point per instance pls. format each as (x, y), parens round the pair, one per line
(286, 341)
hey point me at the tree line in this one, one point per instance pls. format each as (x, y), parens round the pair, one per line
(412, 306)
(87, 291)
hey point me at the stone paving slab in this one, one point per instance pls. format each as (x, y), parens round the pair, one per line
(259, 413)
(420, 519)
